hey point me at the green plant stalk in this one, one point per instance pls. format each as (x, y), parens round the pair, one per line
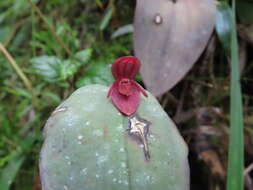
(33, 31)
(19, 71)
(235, 180)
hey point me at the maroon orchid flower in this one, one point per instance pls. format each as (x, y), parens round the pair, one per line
(125, 92)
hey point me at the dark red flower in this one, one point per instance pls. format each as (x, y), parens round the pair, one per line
(125, 92)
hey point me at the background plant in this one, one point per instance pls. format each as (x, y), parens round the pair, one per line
(94, 33)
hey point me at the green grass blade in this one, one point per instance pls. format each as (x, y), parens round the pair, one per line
(106, 19)
(10, 171)
(236, 145)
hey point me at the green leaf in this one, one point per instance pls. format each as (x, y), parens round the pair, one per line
(19, 92)
(127, 29)
(52, 69)
(224, 25)
(48, 67)
(84, 55)
(97, 73)
(235, 180)
(70, 67)
(9, 172)
(106, 19)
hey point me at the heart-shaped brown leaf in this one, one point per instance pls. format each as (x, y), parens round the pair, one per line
(169, 36)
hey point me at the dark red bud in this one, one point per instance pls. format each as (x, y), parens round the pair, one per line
(125, 67)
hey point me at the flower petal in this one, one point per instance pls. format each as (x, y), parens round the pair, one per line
(126, 87)
(140, 88)
(110, 90)
(125, 104)
(125, 67)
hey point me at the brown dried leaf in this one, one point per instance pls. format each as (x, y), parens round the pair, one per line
(169, 37)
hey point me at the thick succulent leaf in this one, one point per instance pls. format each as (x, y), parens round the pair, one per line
(88, 147)
(169, 36)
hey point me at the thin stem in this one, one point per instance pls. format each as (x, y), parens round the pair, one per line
(33, 31)
(51, 28)
(19, 71)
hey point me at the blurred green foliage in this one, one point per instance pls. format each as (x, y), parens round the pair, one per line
(86, 27)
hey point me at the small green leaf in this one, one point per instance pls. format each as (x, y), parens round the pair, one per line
(127, 29)
(106, 19)
(84, 55)
(224, 25)
(97, 73)
(19, 92)
(48, 67)
(69, 67)
(52, 69)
